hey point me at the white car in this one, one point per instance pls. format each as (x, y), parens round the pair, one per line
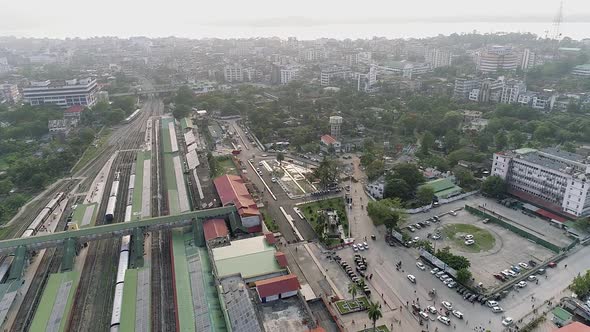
(443, 277)
(511, 273)
(507, 321)
(458, 314)
(453, 213)
(532, 278)
(447, 281)
(447, 305)
(468, 237)
(273, 180)
(424, 315)
(355, 248)
(361, 247)
(492, 304)
(469, 242)
(412, 278)
(444, 320)
(416, 239)
(524, 265)
(436, 237)
(412, 229)
(434, 271)
(431, 309)
(452, 284)
(260, 163)
(497, 309)
(522, 284)
(366, 245)
(420, 265)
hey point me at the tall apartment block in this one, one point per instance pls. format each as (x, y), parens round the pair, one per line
(62, 93)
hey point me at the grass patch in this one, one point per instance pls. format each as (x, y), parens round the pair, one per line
(349, 306)
(224, 165)
(310, 211)
(484, 240)
(268, 221)
(93, 150)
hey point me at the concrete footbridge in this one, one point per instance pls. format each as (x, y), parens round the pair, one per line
(72, 240)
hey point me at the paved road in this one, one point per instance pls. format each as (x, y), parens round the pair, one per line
(250, 151)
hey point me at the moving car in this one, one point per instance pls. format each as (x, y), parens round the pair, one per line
(521, 284)
(532, 278)
(552, 264)
(507, 321)
(453, 213)
(497, 309)
(273, 180)
(412, 278)
(541, 271)
(420, 265)
(458, 314)
(447, 305)
(444, 320)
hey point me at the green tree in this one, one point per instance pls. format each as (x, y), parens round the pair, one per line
(516, 138)
(86, 135)
(280, 157)
(375, 169)
(353, 289)
(326, 172)
(39, 180)
(374, 313)
(452, 140)
(5, 186)
(184, 96)
(581, 284)
(386, 211)
(426, 143)
(181, 111)
(494, 186)
(424, 194)
(463, 276)
(427, 245)
(500, 141)
(127, 104)
(464, 176)
(455, 261)
(409, 173)
(395, 187)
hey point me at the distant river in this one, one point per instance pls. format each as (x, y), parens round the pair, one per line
(577, 30)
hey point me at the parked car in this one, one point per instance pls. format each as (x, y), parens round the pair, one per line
(439, 273)
(434, 271)
(366, 245)
(469, 242)
(532, 263)
(420, 265)
(447, 281)
(453, 213)
(452, 284)
(468, 237)
(458, 314)
(412, 278)
(506, 274)
(521, 284)
(432, 309)
(472, 298)
(436, 236)
(524, 265)
(412, 229)
(444, 320)
(515, 268)
(443, 277)
(532, 278)
(447, 305)
(417, 226)
(552, 264)
(541, 271)
(499, 277)
(424, 315)
(492, 304)
(467, 295)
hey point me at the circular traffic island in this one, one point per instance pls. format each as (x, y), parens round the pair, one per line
(468, 238)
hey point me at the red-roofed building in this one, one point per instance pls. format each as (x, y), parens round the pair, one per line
(74, 112)
(270, 238)
(281, 259)
(328, 142)
(232, 191)
(216, 232)
(277, 288)
(574, 327)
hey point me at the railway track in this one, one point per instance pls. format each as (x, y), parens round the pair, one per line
(94, 300)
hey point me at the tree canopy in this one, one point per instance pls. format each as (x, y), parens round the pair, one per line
(494, 186)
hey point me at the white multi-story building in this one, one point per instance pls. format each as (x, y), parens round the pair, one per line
(511, 91)
(497, 58)
(528, 59)
(288, 74)
(233, 73)
(582, 70)
(10, 93)
(64, 94)
(329, 73)
(437, 57)
(4, 65)
(550, 178)
(464, 86)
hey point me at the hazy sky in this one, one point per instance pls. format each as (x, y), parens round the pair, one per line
(60, 18)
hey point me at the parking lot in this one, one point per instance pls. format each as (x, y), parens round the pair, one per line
(508, 248)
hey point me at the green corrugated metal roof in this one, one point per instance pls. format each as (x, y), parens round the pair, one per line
(446, 193)
(250, 257)
(562, 314)
(43, 312)
(78, 215)
(440, 184)
(525, 150)
(186, 315)
(129, 301)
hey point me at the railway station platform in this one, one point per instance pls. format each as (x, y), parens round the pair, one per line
(56, 302)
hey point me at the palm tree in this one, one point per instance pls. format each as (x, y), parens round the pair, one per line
(353, 289)
(280, 158)
(374, 313)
